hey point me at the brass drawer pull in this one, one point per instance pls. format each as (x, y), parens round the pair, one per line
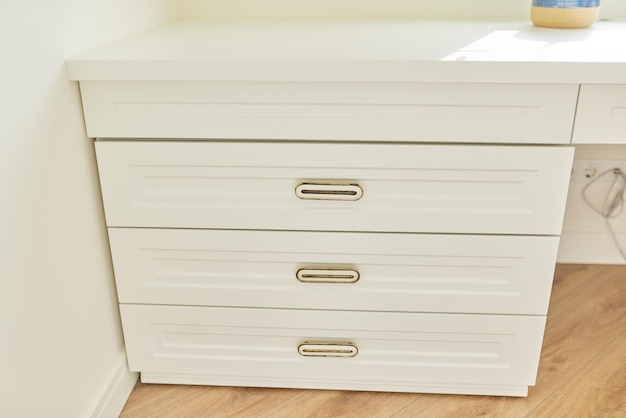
(330, 191)
(340, 276)
(308, 349)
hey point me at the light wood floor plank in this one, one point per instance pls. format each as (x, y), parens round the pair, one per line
(454, 406)
(214, 401)
(144, 395)
(581, 326)
(569, 278)
(598, 390)
(326, 404)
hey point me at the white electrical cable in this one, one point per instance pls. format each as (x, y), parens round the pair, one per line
(613, 202)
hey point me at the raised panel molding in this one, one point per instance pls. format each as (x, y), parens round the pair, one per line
(400, 272)
(406, 188)
(356, 111)
(399, 348)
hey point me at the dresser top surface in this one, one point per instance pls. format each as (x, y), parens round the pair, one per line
(339, 50)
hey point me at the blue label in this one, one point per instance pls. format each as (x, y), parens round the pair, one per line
(566, 3)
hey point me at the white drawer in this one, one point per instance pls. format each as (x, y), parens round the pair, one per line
(355, 111)
(341, 271)
(601, 115)
(406, 188)
(485, 354)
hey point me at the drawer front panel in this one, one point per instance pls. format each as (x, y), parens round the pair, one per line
(404, 188)
(375, 347)
(359, 111)
(601, 116)
(340, 271)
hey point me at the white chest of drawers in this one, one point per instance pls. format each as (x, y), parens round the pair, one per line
(291, 222)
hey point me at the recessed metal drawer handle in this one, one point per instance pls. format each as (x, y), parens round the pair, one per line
(330, 191)
(327, 350)
(328, 276)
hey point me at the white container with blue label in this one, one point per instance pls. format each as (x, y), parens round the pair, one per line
(565, 14)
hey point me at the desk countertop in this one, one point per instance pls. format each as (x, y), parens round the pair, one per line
(339, 50)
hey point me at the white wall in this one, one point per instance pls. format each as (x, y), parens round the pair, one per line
(422, 9)
(585, 236)
(59, 325)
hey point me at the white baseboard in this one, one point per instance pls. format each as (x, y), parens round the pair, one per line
(590, 248)
(113, 392)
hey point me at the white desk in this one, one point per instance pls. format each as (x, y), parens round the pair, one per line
(349, 205)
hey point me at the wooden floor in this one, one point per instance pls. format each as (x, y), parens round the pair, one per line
(582, 372)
